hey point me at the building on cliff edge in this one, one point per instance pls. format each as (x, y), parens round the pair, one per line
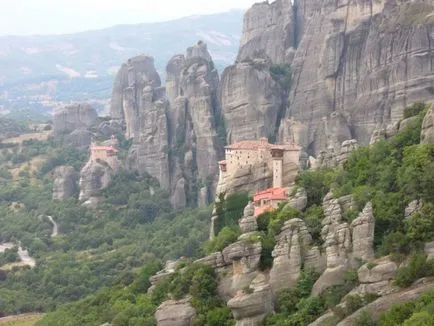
(106, 153)
(281, 162)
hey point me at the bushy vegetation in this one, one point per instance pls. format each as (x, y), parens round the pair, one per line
(281, 73)
(105, 247)
(390, 173)
(416, 268)
(132, 305)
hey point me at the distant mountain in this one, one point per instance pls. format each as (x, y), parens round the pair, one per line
(39, 73)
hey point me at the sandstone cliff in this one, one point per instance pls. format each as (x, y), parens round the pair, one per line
(73, 123)
(65, 183)
(355, 66)
(364, 60)
(174, 129)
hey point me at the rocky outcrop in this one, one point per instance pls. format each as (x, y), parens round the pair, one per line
(73, 117)
(333, 158)
(345, 245)
(175, 131)
(95, 177)
(363, 234)
(250, 179)
(65, 182)
(427, 134)
(376, 277)
(364, 60)
(412, 208)
(175, 313)
(429, 250)
(293, 244)
(194, 119)
(268, 28)
(379, 306)
(73, 123)
(298, 200)
(250, 309)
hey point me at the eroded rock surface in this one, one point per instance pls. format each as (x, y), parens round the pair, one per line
(333, 158)
(268, 27)
(175, 313)
(74, 117)
(250, 309)
(345, 63)
(95, 177)
(174, 130)
(363, 234)
(65, 182)
(427, 134)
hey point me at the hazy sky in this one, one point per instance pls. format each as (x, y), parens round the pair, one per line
(66, 16)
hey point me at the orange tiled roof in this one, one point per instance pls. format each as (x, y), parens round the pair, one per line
(262, 209)
(262, 143)
(105, 148)
(271, 194)
(249, 144)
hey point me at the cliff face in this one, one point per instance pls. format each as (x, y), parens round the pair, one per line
(174, 130)
(252, 100)
(355, 65)
(268, 28)
(365, 60)
(73, 123)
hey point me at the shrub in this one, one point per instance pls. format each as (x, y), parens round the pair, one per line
(417, 268)
(225, 237)
(365, 319)
(414, 110)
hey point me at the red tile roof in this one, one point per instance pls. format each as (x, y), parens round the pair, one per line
(105, 148)
(262, 209)
(262, 143)
(271, 194)
(249, 144)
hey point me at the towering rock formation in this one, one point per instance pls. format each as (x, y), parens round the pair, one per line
(268, 28)
(73, 123)
(74, 117)
(65, 183)
(252, 100)
(194, 115)
(355, 66)
(364, 60)
(174, 130)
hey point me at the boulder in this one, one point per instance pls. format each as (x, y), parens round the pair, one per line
(383, 270)
(299, 200)
(412, 208)
(429, 250)
(175, 313)
(250, 309)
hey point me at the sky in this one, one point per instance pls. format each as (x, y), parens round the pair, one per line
(29, 17)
